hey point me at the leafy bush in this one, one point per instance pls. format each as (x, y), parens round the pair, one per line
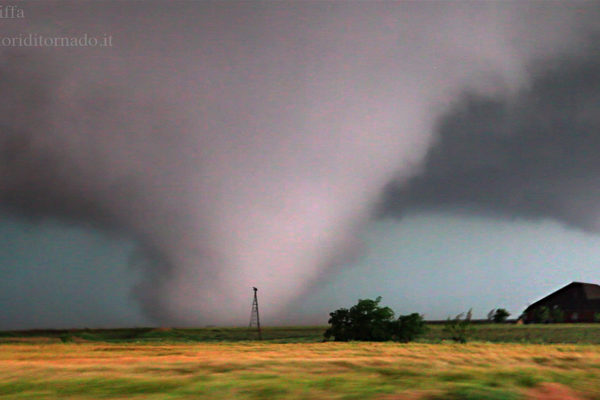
(500, 315)
(409, 327)
(597, 317)
(458, 329)
(368, 321)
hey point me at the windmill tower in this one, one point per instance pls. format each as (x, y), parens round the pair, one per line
(254, 316)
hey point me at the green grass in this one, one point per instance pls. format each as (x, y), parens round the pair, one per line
(531, 333)
(288, 334)
(475, 392)
(496, 333)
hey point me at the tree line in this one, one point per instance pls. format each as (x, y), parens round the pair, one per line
(369, 321)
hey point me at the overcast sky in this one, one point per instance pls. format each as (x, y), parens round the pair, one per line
(443, 155)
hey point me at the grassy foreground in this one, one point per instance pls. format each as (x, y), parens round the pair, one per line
(503, 361)
(262, 370)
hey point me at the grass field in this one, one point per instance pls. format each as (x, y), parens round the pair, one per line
(252, 370)
(288, 334)
(532, 333)
(167, 364)
(497, 333)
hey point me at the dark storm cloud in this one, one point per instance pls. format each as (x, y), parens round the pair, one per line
(245, 144)
(62, 158)
(533, 154)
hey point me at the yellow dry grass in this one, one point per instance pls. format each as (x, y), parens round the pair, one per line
(255, 370)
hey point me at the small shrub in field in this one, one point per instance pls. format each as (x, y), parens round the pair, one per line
(458, 329)
(500, 315)
(597, 317)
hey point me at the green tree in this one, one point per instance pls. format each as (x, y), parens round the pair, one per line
(500, 315)
(341, 327)
(368, 321)
(408, 327)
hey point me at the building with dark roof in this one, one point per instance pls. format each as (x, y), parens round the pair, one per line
(577, 302)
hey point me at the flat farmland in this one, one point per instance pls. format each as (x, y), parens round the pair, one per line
(484, 332)
(267, 370)
(531, 333)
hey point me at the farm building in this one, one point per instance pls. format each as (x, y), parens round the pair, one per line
(576, 302)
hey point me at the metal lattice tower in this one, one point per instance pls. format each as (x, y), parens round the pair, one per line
(254, 316)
